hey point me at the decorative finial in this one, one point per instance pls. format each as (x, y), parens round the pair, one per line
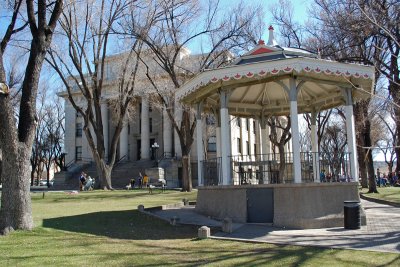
(271, 39)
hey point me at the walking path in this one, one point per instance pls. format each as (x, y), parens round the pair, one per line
(382, 232)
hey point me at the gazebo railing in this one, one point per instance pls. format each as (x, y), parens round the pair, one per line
(274, 168)
(336, 166)
(262, 168)
(212, 172)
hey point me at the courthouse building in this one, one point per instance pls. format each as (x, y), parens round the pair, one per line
(148, 135)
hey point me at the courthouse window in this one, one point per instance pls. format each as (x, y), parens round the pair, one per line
(78, 153)
(78, 132)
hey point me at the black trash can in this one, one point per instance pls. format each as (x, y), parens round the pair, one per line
(352, 217)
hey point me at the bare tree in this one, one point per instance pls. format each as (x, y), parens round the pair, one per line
(291, 31)
(37, 157)
(88, 33)
(17, 138)
(280, 135)
(170, 26)
(363, 43)
(53, 142)
(333, 148)
(322, 122)
(388, 141)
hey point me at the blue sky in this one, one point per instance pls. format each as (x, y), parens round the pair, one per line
(299, 6)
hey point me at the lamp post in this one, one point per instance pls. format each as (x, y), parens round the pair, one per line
(154, 148)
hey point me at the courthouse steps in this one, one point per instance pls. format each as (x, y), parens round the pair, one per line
(121, 174)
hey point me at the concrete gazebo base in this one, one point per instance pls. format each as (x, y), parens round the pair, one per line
(298, 206)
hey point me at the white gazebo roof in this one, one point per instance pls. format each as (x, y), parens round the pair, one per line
(259, 81)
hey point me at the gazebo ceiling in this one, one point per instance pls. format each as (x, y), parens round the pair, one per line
(259, 82)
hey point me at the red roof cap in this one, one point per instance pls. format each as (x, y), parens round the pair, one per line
(270, 27)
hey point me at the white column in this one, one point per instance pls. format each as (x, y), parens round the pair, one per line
(351, 136)
(218, 138)
(70, 141)
(295, 131)
(199, 141)
(265, 147)
(265, 143)
(314, 146)
(218, 134)
(145, 127)
(225, 144)
(167, 134)
(104, 119)
(123, 141)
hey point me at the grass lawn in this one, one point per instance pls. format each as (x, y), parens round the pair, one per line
(105, 229)
(385, 193)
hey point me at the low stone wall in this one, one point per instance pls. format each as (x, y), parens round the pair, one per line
(303, 206)
(316, 205)
(155, 174)
(221, 202)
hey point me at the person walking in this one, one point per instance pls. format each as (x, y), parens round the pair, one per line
(82, 181)
(322, 177)
(145, 180)
(140, 180)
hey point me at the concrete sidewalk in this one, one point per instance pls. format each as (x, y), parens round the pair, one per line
(382, 232)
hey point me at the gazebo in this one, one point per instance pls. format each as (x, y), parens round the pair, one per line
(271, 80)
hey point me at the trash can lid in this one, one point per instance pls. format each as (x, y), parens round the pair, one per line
(351, 203)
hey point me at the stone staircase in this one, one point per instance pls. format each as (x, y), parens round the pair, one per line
(121, 175)
(125, 171)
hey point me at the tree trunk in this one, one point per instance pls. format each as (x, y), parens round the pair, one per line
(371, 176)
(186, 177)
(390, 167)
(361, 120)
(32, 176)
(48, 176)
(369, 159)
(282, 163)
(104, 171)
(362, 167)
(16, 209)
(397, 148)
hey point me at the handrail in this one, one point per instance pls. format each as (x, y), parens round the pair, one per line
(69, 164)
(119, 160)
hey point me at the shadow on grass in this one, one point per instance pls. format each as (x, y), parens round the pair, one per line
(126, 224)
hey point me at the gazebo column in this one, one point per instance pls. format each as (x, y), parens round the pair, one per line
(351, 136)
(145, 133)
(314, 146)
(225, 142)
(265, 146)
(295, 130)
(199, 141)
(218, 136)
(217, 132)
